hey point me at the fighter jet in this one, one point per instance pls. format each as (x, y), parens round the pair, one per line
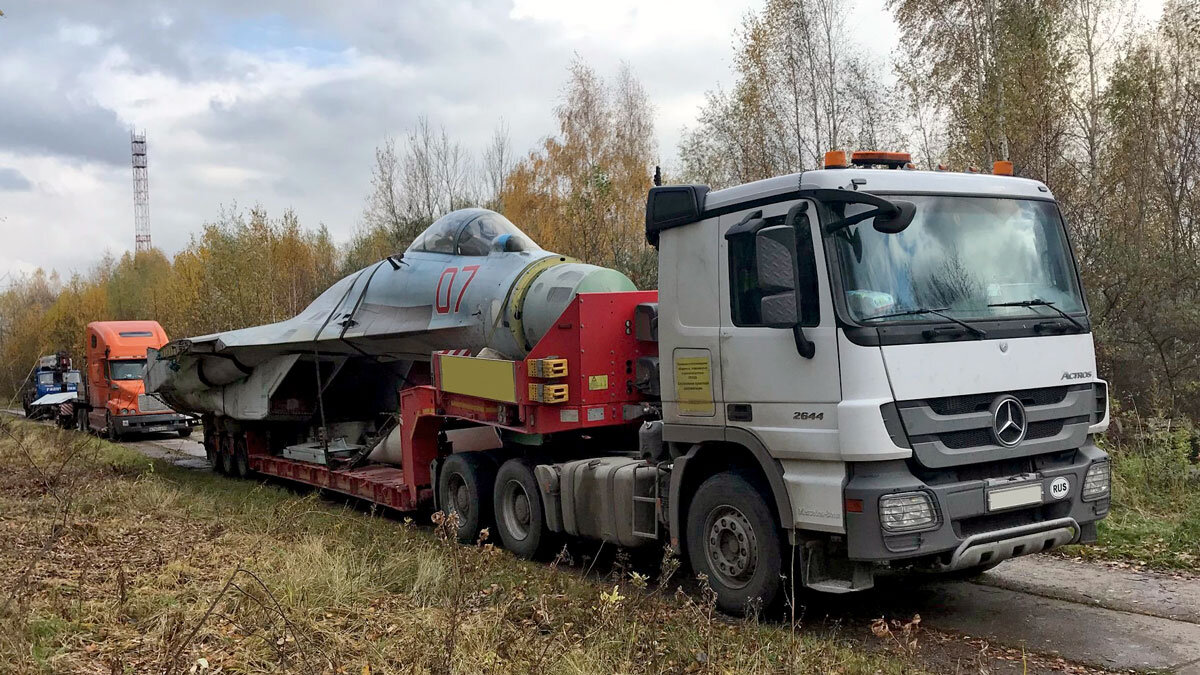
(471, 281)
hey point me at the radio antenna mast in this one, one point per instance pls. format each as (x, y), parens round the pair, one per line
(141, 193)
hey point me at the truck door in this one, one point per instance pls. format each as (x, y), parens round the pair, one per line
(789, 402)
(97, 374)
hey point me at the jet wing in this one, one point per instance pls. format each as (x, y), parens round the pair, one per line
(55, 399)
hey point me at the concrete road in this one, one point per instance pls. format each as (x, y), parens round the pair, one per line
(1087, 613)
(185, 452)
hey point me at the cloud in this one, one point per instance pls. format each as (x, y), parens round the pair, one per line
(282, 102)
(13, 180)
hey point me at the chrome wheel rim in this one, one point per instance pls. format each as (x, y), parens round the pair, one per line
(516, 509)
(730, 546)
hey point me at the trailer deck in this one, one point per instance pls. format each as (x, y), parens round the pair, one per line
(379, 483)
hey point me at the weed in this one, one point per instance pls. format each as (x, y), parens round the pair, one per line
(1155, 515)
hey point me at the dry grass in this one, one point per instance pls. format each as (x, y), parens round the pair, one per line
(118, 564)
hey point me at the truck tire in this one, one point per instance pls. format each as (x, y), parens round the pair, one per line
(185, 432)
(227, 464)
(734, 540)
(212, 449)
(214, 459)
(465, 487)
(110, 429)
(520, 515)
(241, 459)
(225, 455)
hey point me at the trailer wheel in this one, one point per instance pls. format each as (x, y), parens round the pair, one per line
(227, 464)
(212, 449)
(734, 540)
(520, 515)
(465, 488)
(225, 454)
(241, 460)
(214, 459)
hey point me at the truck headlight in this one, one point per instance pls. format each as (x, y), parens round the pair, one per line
(124, 411)
(1097, 482)
(906, 511)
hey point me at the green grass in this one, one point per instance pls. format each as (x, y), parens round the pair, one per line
(295, 583)
(1155, 516)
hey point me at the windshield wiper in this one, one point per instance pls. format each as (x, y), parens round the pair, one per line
(938, 312)
(1037, 302)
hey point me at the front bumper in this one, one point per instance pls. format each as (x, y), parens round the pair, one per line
(136, 424)
(966, 533)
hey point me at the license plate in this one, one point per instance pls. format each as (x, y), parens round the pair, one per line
(1014, 496)
(151, 430)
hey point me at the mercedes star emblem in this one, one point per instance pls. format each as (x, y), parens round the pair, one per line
(1008, 421)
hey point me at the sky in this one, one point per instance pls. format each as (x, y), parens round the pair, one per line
(282, 103)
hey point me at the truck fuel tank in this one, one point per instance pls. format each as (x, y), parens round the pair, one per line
(614, 499)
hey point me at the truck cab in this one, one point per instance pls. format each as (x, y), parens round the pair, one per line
(53, 374)
(116, 401)
(901, 359)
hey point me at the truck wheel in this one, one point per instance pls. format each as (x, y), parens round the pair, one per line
(733, 539)
(110, 429)
(520, 516)
(465, 488)
(227, 463)
(214, 459)
(185, 432)
(241, 460)
(212, 449)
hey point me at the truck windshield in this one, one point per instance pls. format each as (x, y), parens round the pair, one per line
(962, 255)
(127, 369)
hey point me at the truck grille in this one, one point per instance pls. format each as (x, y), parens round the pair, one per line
(149, 404)
(960, 405)
(956, 430)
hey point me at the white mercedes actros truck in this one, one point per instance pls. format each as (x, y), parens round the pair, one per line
(900, 362)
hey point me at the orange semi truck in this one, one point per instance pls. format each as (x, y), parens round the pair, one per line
(113, 401)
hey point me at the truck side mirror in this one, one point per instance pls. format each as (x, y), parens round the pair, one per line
(671, 206)
(775, 253)
(898, 221)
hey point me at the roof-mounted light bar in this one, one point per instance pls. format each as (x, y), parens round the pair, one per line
(836, 159)
(892, 160)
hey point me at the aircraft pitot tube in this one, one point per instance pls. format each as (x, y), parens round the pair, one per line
(469, 282)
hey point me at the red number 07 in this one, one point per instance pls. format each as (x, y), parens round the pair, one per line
(442, 303)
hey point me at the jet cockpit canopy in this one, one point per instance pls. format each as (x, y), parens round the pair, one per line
(472, 232)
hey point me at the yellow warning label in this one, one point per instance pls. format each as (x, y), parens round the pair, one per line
(597, 382)
(693, 385)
